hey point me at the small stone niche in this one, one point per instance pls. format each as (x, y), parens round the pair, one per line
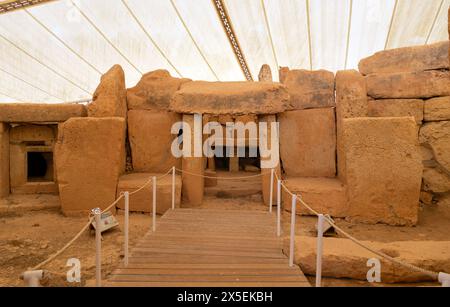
(31, 159)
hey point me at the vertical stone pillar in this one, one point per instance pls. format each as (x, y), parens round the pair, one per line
(193, 161)
(234, 164)
(265, 172)
(351, 101)
(265, 74)
(4, 160)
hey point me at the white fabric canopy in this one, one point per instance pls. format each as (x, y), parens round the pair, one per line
(57, 51)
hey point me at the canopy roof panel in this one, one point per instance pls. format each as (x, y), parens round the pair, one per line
(57, 50)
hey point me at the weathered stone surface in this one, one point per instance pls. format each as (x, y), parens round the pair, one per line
(437, 136)
(407, 59)
(265, 74)
(396, 108)
(230, 98)
(154, 91)
(4, 160)
(89, 156)
(150, 138)
(308, 142)
(425, 84)
(437, 109)
(142, 201)
(435, 180)
(40, 112)
(351, 101)
(110, 97)
(325, 195)
(282, 73)
(310, 89)
(383, 169)
(33, 133)
(342, 258)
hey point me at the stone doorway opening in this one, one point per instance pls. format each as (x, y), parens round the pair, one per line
(39, 166)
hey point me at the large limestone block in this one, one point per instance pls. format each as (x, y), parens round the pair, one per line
(89, 157)
(396, 108)
(110, 97)
(342, 258)
(436, 180)
(4, 160)
(40, 112)
(308, 142)
(407, 59)
(230, 98)
(310, 89)
(142, 201)
(33, 133)
(154, 91)
(151, 139)
(424, 84)
(437, 109)
(437, 136)
(325, 195)
(351, 101)
(384, 169)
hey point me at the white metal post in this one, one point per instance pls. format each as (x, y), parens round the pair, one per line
(173, 188)
(444, 279)
(126, 226)
(98, 248)
(271, 190)
(154, 204)
(279, 208)
(319, 250)
(292, 238)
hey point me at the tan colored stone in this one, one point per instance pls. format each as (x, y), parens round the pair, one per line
(230, 98)
(325, 195)
(425, 84)
(4, 160)
(407, 59)
(154, 91)
(150, 138)
(437, 109)
(435, 180)
(384, 169)
(211, 179)
(33, 133)
(40, 112)
(351, 101)
(437, 136)
(426, 198)
(396, 108)
(89, 157)
(110, 97)
(142, 201)
(308, 142)
(265, 74)
(342, 258)
(282, 74)
(310, 89)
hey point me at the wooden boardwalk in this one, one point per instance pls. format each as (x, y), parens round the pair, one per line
(207, 247)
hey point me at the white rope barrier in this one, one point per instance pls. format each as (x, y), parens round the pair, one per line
(98, 247)
(173, 188)
(154, 205)
(278, 207)
(320, 225)
(292, 237)
(126, 227)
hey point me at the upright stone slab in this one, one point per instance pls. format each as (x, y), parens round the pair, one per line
(265, 74)
(4, 160)
(309, 89)
(351, 101)
(154, 91)
(89, 157)
(384, 170)
(407, 59)
(151, 139)
(308, 142)
(110, 97)
(193, 163)
(424, 84)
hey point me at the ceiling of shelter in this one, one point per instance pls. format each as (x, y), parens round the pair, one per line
(56, 51)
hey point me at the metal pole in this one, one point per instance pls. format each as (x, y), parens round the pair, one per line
(154, 204)
(279, 208)
(292, 238)
(319, 250)
(444, 279)
(126, 226)
(98, 248)
(173, 188)
(271, 190)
